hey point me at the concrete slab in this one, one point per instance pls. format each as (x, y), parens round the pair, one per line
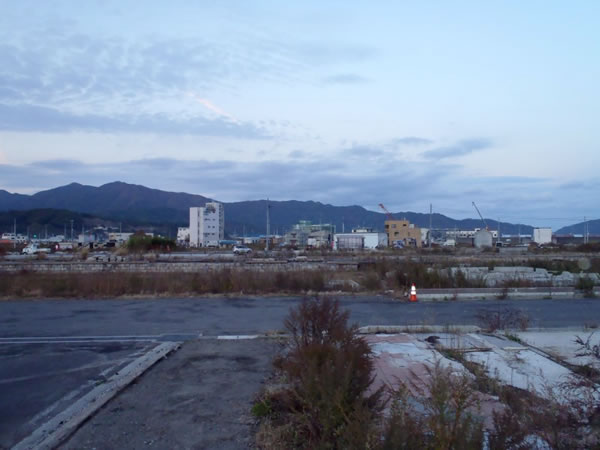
(200, 397)
(561, 343)
(408, 357)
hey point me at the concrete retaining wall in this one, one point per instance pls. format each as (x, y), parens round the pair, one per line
(536, 276)
(144, 266)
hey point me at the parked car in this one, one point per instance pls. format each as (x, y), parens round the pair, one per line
(241, 249)
(33, 249)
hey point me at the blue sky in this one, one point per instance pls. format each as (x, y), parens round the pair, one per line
(401, 103)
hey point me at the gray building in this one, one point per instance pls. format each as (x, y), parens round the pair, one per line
(482, 238)
(306, 234)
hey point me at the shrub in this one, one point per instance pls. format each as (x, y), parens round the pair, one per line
(585, 284)
(139, 242)
(329, 371)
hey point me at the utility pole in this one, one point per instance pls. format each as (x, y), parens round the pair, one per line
(498, 231)
(268, 226)
(71, 230)
(15, 234)
(585, 225)
(430, 230)
(65, 232)
(46, 227)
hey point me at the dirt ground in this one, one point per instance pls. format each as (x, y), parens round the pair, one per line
(198, 398)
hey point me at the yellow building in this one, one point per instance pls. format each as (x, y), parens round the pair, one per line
(404, 232)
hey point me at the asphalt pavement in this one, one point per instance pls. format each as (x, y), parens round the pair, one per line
(54, 351)
(248, 315)
(38, 380)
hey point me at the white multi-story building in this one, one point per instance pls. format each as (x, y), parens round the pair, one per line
(542, 235)
(207, 225)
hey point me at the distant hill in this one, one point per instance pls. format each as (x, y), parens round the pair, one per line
(50, 221)
(136, 205)
(578, 228)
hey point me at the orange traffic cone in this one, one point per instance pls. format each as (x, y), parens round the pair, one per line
(413, 293)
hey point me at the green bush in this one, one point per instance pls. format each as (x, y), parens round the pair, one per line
(139, 242)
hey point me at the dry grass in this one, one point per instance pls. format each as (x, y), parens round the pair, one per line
(112, 284)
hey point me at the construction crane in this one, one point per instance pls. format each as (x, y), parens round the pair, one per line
(387, 213)
(482, 219)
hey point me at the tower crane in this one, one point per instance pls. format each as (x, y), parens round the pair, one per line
(482, 219)
(387, 213)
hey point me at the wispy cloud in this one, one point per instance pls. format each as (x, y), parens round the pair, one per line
(212, 107)
(461, 148)
(23, 117)
(410, 140)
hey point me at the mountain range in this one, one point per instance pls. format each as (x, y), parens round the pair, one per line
(137, 206)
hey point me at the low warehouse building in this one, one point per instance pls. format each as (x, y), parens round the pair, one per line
(360, 238)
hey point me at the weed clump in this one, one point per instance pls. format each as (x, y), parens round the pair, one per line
(504, 319)
(438, 414)
(327, 367)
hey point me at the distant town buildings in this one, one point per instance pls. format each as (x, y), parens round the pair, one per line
(207, 225)
(119, 238)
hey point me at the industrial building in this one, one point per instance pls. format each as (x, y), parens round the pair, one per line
(307, 234)
(542, 235)
(468, 234)
(359, 239)
(207, 225)
(402, 233)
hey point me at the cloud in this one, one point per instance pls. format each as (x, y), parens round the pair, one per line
(461, 148)
(345, 78)
(212, 107)
(59, 164)
(23, 117)
(386, 149)
(410, 140)
(64, 65)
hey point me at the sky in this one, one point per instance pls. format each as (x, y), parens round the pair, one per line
(402, 103)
